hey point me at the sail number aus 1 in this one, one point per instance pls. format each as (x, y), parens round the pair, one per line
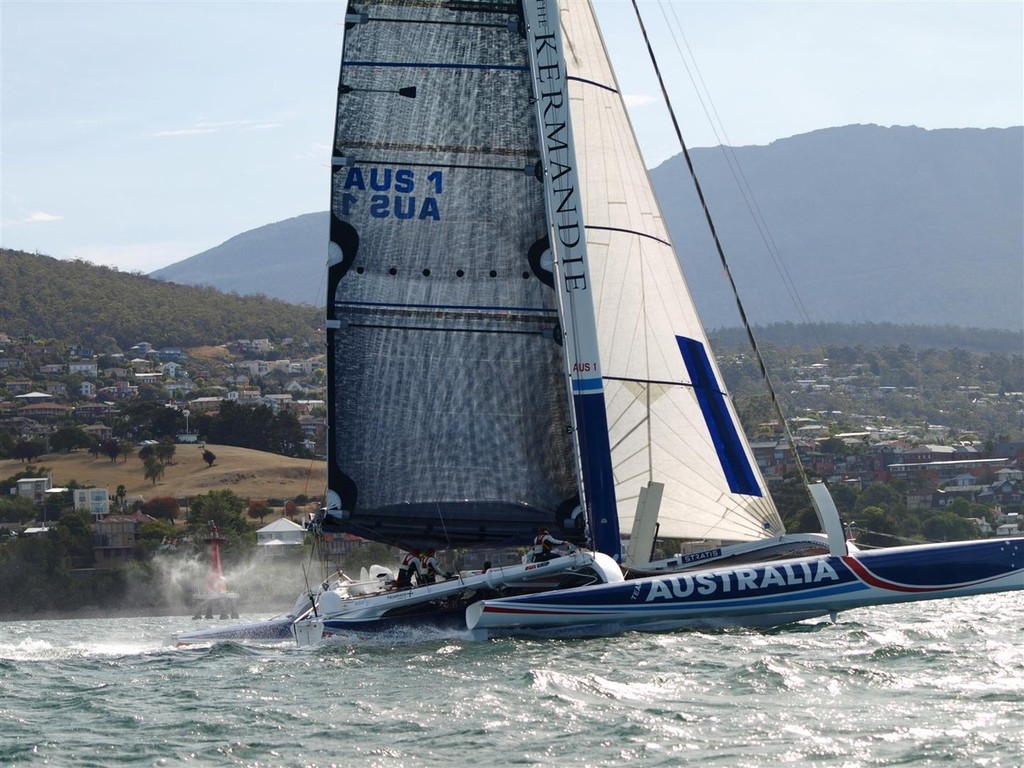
(392, 192)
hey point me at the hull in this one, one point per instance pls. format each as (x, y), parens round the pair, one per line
(443, 605)
(765, 594)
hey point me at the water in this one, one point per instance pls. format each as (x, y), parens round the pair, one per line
(925, 684)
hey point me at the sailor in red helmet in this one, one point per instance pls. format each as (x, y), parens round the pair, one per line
(542, 544)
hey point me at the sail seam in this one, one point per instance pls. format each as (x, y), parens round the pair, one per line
(457, 307)
(429, 65)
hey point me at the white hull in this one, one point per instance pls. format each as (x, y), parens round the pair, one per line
(443, 603)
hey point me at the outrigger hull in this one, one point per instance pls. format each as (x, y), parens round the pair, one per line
(768, 594)
(443, 605)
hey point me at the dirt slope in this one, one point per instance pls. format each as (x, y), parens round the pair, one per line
(250, 474)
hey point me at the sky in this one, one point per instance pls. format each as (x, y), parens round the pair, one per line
(138, 133)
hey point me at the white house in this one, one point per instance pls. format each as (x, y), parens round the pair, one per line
(95, 501)
(279, 538)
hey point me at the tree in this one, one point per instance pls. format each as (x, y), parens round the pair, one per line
(146, 452)
(258, 509)
(67, 439)
(120, 493)
(16, 509)
(949, 526)
(164, 450)
(153, 469)
(111, 449)
(209, 457)
(161, 507)
(225, 509)
(154, 533)
(75, 531)
(27, 450)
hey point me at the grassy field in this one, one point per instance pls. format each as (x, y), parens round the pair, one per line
(250, 474)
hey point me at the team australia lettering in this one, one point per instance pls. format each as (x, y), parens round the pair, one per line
(361, 183)
(741, 580)
(559, 154)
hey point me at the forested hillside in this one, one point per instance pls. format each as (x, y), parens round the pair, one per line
(102, 308)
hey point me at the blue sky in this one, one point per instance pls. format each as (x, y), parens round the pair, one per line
(138, 133)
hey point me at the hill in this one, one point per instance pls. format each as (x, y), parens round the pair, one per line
(102, 308)
(250, 474)
(869, 224)
(285, 260)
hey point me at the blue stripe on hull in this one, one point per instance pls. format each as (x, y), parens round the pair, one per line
(803, 585)
(598, 479)
(735, 464)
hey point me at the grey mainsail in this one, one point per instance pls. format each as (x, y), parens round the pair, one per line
(448, 421)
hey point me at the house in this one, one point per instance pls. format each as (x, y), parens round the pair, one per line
(279, 538)
(83, 368)
(99, 432)
(115, 538)
(34, 488)
(93, 410)
(204, 405)
(45, 410)
(95, 501)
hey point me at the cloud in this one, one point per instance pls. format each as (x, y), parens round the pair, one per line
(217, 126)
(37, 216)
(639, 99)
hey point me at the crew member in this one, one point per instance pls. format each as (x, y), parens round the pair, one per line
(411, 566)
(433, 568)
(542, 545)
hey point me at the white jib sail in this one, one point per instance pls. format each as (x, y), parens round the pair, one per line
(670, 419)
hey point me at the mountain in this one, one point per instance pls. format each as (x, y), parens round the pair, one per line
(99, 307)
(870, 224)
(285, 260)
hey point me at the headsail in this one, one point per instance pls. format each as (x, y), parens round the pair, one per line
(447, 410)
(670, 417)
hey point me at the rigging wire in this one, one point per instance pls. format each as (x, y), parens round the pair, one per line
(773, 396)
(725, 146)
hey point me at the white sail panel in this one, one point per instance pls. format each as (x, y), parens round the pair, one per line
(670, 421)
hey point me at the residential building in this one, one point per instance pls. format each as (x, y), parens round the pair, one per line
(95, 501)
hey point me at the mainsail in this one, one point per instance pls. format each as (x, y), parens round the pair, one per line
(670, 417)
(448, 422)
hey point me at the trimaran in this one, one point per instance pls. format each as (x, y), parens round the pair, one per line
(512, 345)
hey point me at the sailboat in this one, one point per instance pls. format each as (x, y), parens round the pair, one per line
(511, 346)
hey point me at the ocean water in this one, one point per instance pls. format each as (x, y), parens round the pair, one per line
(926, 684)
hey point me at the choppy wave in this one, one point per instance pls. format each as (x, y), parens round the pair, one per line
(925, 684)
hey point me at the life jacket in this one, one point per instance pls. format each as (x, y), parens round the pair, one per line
(410, 564)
(541, 544)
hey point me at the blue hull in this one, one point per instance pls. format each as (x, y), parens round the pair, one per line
(769, 593)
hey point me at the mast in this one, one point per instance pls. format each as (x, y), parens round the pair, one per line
(572, 275)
